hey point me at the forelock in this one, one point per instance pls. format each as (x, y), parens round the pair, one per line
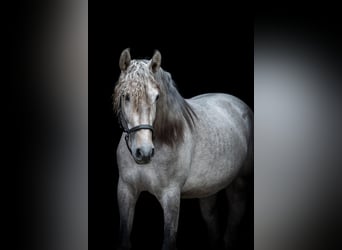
(132, 82)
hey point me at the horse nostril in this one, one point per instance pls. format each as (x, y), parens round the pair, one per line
(152, 153)
(138, 153)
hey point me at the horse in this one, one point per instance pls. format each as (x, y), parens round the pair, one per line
(177, 148)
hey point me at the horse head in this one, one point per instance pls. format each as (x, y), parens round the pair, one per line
(135, 100)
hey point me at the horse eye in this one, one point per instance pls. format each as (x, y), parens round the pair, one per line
(157, 97)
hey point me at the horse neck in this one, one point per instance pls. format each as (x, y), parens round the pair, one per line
(173, 114)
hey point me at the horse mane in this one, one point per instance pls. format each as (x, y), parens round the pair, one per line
(172, 111)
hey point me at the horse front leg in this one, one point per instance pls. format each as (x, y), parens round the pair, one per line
(127, 197)
(170, 202)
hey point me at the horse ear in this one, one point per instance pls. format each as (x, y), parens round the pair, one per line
(155, 61)
(125, 59)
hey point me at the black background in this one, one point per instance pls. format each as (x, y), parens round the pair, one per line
(209, 51)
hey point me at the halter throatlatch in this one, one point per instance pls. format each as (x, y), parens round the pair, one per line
(124, 126)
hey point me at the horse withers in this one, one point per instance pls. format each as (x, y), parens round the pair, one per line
(179, 148)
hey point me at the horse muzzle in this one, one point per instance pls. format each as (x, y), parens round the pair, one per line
(143, 155)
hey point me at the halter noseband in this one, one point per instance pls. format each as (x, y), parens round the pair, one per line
(124, 126)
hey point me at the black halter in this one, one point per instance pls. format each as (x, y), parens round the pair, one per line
(124, 126)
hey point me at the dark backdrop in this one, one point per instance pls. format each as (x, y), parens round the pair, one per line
(211, 51)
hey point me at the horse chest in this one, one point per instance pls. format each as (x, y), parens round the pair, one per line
(149, 177)
(152, 178)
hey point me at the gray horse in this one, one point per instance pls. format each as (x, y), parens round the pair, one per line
(179, 148)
